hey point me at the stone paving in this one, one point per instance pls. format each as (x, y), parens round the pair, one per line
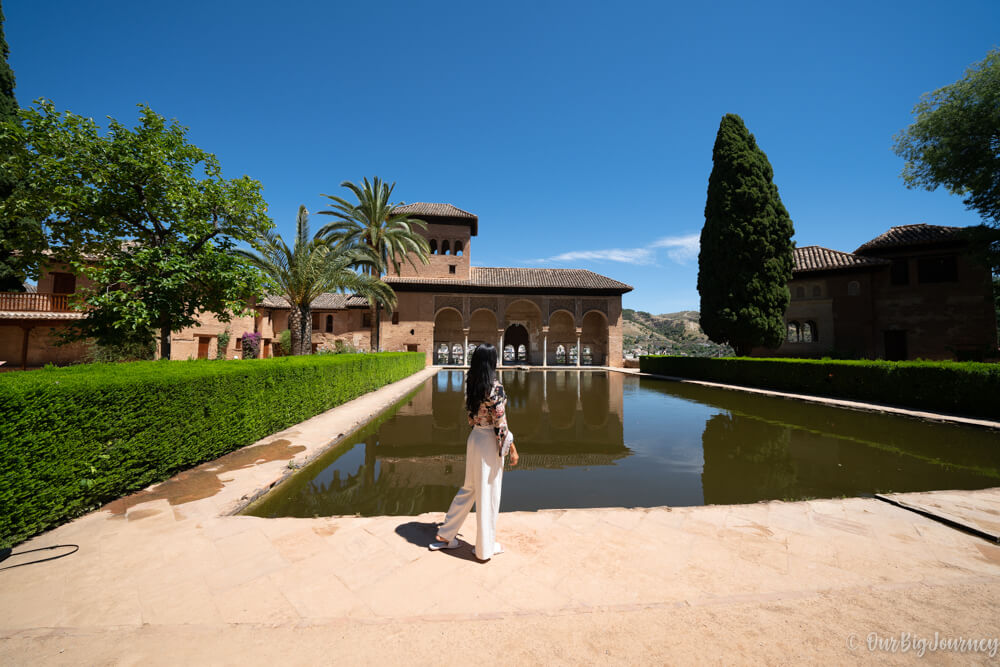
(171, 576)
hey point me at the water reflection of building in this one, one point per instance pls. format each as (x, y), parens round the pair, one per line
(559, 418)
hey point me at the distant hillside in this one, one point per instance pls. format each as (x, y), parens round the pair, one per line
(671, 333)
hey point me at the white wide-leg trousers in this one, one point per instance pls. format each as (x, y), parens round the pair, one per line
(483, 475)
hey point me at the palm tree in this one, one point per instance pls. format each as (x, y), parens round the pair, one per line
(314, 266)
(372, 223)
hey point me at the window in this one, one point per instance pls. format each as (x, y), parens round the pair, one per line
(395, 317)
(329, 323)
(451, 268)
(572, 355)
(853, 288)
(940, 269)
(456, 354)
(366, 318)
(800, 292)
(434, 247)
(508, 353)
(445, 248)
(588, 356)
(560, 354)
(899, 272)
(817, 291)
(792, 336)
(442, 354)
(522, 353)
(459, 247)
(412, 347)
(239, 343)
(63, 283)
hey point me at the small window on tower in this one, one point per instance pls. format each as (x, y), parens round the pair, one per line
(451, 268)
(395, 317)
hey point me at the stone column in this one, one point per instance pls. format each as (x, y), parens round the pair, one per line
(579, 350)
(545, 347)
(465, 348)
(500, 349)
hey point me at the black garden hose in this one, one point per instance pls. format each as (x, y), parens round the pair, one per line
(6, 553)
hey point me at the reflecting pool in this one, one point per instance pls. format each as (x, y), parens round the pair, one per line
(603, 439)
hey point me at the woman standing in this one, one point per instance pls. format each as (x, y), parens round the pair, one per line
(486, 404)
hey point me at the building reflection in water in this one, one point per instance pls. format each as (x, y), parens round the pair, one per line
(414, 460)
(686, 445)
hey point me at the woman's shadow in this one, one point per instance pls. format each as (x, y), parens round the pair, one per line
(421, 534)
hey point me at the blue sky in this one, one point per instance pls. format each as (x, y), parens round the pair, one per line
(581, 133)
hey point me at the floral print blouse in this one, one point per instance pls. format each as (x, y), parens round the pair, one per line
(493, 412)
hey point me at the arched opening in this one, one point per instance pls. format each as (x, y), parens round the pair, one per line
(447, 334)
(809, 332)
(562, 334)
(459, 247)
(434, 246)
(457, 354)
(792, 336)
(515, 340)
(482, 327)
(594, 339)
(329, 324)
(525, 314)
(445, 248)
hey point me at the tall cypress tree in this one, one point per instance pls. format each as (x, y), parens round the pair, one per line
(745, 261)
(10, 278)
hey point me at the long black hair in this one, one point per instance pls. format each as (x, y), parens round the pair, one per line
(480, 377)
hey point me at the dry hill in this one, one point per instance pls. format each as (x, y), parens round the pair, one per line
(670, 333)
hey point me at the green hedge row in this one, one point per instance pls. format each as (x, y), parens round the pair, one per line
(74, 438)
(965, 388)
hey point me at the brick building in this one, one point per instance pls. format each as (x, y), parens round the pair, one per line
(915, 291)
(537, 316)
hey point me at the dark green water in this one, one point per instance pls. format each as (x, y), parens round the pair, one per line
(597, 439)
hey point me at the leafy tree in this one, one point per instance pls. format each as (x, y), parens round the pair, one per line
(745, 261)
(311, 267)
(16, 235)
(954, 140)
(142, 213)
(372, 223)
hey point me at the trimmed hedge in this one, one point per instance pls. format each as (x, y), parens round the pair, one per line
(966, 388)
(74, 438)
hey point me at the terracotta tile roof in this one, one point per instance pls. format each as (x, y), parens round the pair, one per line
(907, 235)
(422, 209)
(514, 277)
(40, 315)
(325, 301)
(818, 258)
(429, 208)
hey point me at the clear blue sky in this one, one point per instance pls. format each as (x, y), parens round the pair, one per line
(581, 133)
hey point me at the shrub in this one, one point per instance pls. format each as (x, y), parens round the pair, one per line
(74, 438)
(967, 388)
(251, 345)
(221, 344)
(129, 351)
(283, 346)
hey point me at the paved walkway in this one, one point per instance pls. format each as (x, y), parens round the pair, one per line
(166, 577)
